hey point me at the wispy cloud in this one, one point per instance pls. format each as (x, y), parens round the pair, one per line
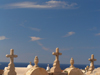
(35, 38)
(42, 46)
(69, 34)
(32, 28)
(98, 34)
(3, 38)
(48, 4)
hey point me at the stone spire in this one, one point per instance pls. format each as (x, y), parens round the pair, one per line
(91, 68)
(36, 60)
(11, 67)
(30, 63)
(56, 66)
(72, 63)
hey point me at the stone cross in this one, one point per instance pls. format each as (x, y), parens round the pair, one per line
(56, 70)
(91, 68)
(57, 54)
(11, 56)
(36, 60)
(11, 67)
(72, 63)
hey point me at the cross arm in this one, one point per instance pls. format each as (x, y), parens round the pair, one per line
(8, 55)
(92, 59)
(56, 53)
(11, 55)
(53, 53)
(95, 59)
(15, 56)
(60, 53)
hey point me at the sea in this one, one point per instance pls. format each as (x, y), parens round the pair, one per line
(44, 65)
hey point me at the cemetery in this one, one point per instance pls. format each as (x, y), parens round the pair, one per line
(55, 70)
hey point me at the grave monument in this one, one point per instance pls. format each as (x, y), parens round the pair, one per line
(91, 68)
(56, 66)
(11, 68)
(72, 70)
(36, 70)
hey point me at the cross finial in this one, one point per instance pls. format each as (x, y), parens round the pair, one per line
(36, 60)
(72, 63)
(57, 54)
(56, 65)
(92, 58)
(11, 55)
(91, 68)
(11, 67)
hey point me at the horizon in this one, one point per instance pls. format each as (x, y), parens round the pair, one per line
(36, 28)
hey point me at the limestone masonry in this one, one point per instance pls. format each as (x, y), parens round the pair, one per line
(55, 70)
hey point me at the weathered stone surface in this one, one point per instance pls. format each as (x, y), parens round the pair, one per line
(11, 68)
(56, 70)
(91, 68)
(96, 71)
(36, 70)
(72, 70)
(21, 70)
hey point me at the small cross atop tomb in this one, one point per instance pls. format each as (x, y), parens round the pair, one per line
(56, 66)
(30, 65)
(91, 68)
(11, 67)
(72, 63)
(48, 68)
(86, 69)
(36, 60)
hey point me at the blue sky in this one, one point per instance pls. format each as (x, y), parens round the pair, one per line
(37, 27)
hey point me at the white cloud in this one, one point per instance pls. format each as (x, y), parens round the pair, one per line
(42, 46)
(69, 34)
(97, 34)
(35, 38)
(49, 4)
(35, 29)
(3, 38)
